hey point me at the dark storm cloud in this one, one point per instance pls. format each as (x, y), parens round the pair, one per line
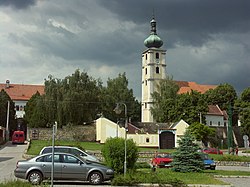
(18, 4)
(189, 21)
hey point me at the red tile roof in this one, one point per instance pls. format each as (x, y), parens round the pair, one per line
(215, 110)
(186, 87)
(22, 92)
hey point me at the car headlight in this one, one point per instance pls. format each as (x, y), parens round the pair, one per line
(110, 171)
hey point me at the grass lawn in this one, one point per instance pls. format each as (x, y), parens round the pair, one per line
(164, 175)
(227, 157)
(205, 177)
(37, 145)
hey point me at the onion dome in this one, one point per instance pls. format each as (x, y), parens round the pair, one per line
(153, 40)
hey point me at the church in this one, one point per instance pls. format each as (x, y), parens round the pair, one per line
(154, 70)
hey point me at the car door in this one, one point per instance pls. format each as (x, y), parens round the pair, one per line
(46, 165)
(73, 168)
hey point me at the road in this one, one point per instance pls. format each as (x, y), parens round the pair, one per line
(9, 155)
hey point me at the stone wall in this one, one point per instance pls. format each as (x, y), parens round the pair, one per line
(70, 133)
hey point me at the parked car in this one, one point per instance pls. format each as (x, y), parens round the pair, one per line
(162, 160)
(209, 150)
(208, 162)
(72, 150)
(18, 137)
(66, 167)
(165, 161)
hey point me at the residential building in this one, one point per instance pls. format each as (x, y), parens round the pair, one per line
(216, 117)
(20, 94)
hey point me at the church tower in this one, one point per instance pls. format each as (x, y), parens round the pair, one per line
(153, 70)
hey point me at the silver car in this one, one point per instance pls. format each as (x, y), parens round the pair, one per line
(66, 167)
(72, 150)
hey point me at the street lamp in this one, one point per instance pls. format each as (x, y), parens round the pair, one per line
(158, 132)
(118, 111)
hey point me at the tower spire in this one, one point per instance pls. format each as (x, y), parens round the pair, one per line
(153, 40)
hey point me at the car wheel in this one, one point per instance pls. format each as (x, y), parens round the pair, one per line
(212, 168)
(95, 178)
(35, 177)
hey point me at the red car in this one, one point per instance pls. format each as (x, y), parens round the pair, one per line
(209, 150)
(162, 160)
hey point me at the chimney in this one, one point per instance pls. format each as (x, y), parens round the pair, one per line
(7, 83)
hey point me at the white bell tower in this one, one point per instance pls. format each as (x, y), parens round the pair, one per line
(153, 70)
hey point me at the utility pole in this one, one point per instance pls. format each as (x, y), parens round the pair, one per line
(7, 122)
(230, 128)
(200, 118)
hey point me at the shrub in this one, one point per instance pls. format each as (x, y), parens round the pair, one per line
(114, 150)
(133, 178)
(16, 183)
(139, 165)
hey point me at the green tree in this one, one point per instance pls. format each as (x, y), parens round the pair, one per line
(72, 100)
(243, 107)
(221, 95)
(113, 152)
(36, 113)
(201, 132)
(117, 91)
(190, 106)
(4, 98)
(169, 106)
(186, 157)
(165, 100)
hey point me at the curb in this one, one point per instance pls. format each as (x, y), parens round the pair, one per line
(231, 176)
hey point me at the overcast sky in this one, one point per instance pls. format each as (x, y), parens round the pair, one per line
(207, 41)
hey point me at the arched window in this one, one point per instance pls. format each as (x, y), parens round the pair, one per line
(146, 71)
(157, 70)
(146, 56)
(157, 55)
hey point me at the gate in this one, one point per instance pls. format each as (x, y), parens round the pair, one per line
(167, 140)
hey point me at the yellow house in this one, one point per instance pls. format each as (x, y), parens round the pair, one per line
(180, 127)
(106, 128)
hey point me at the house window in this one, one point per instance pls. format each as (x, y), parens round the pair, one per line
(17, 107)
(145, 105)
(147, 140)
(157, 55)
(146, 71)
(157, 70)
(210, 123)
(21, 108)
(225, 124)
(218, 123)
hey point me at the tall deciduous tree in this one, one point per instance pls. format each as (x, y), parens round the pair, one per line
(171, 107)
(201, 132)
(4, 98)
(190, 106)
(117, 91)
(222, 96)
(165, 100)
(243, 106)
(36, 113)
